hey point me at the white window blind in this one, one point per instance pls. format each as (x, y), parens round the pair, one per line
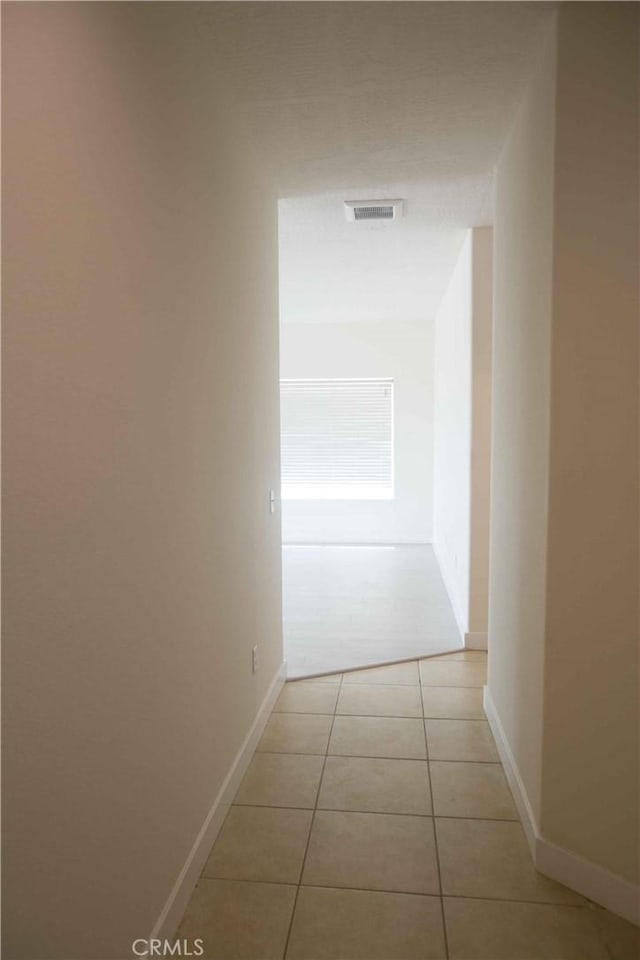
(337, 439)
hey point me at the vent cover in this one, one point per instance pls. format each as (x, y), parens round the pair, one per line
(373, 209)
(373, 213)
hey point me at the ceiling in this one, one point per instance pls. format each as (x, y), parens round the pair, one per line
(336, 271)
(365, 100)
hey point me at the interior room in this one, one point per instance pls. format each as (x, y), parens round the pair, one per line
(385, 367)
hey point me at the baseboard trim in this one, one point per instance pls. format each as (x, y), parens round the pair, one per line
(512, 773)
(591, 880)
(588, 878)
(178, 898)
(476, 641)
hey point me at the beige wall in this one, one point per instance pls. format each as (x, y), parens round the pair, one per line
(563, 628)
(591, 725)
(141, 441)
(520, 413)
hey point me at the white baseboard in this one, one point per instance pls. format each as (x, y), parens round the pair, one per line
(476, 641)
(587, 878)
(512, 773)
(177, 901)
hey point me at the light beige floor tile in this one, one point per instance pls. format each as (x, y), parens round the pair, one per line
(378, 700)
(301, 697)
(361, 925)
(281, 780)
(391, 673)
(471, 790)
(376, 786)
(461, 740)
(394, 737)
(454, 673)
(296, 733)
(325, 678)
(260, 843)
(622, 938)
(462, 703)
(481, 857)
(374, 851)
(497, 930)
(239, 921)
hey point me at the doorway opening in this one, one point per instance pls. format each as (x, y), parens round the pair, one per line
(377, 438)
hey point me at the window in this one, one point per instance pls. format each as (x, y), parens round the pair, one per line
(337, 439)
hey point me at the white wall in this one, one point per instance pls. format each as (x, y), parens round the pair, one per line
(563, 622)
(481, 379)
(141, 440)
(520, 454)
(452, 434)
(399, 350)
(462, 434)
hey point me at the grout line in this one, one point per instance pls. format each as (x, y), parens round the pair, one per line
(373, 813)
(380, 716)
(412, 686)
(313, 817)
(481, 719)
(364, 716)
(406, 685)
(351, 756)
(376, 813)
(407, 893)
(541, 903)
(435, 835)
(271, 883)
(377, 756)
(448, 896)
(301, 713)
(379, 664)
(420, 658)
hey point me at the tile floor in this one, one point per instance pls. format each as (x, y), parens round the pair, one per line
(375, 823)
(353, 606)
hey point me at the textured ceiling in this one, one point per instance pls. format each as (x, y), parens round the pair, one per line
(335, 271)
(349, 94)
(356, 100)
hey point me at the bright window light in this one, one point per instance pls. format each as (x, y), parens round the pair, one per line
(337, 439)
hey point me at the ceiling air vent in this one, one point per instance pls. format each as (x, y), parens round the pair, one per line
(373, 209)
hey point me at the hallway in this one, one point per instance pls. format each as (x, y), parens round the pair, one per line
(353, 606)
(363, 831)
(206, 201)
